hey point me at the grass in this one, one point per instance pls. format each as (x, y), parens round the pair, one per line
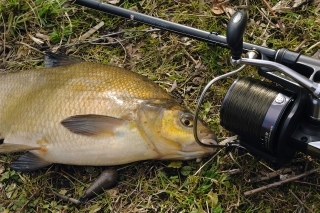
(165, 58)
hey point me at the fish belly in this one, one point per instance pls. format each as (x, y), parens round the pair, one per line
(124, 147)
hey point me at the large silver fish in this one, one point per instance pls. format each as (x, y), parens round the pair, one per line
(83, 113)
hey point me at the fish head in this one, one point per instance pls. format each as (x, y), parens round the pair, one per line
(169, 127)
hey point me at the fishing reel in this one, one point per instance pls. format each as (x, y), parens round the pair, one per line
(273, 120)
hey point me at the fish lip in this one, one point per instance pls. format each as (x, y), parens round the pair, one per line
(209, 139)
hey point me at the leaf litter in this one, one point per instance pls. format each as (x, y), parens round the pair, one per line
(155, 182)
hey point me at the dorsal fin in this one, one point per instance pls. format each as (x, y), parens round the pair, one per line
(55, 60)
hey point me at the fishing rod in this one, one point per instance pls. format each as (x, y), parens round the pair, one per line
(273, 122)
(282, 56)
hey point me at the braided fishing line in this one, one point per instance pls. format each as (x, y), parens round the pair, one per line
(245, 106)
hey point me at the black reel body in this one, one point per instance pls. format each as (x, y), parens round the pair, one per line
(264, 117)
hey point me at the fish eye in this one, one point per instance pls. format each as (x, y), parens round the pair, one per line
(187, 120)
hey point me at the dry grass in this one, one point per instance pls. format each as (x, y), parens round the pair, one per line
(165, 58)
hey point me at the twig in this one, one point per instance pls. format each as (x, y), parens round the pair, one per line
(207, 162)
(29, 199)
(231, 171)
(96, 40)
(43, 36)
(35, 14)
(221, 3)
(265, 165)
(272, 174)
(66, 198)
(300, 201)
(192, 59)
(31, 47)
(280, 182)
(300, 45)
(313, 46)
(306, 166)
(294, 25)
(91, 31)
(263, 13)
(234, 160)
(311, 184)
(274, 14)
(266, 28)
(208, 209)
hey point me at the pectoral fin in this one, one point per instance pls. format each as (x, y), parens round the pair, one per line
(29, 162)
(9, 147)
(92, 125)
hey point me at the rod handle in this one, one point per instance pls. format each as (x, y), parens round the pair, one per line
(235, 31)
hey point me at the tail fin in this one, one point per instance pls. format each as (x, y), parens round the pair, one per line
(55, 60)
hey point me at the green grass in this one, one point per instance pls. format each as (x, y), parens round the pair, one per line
(164, 57)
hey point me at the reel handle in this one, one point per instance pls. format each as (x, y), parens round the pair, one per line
(235, 31)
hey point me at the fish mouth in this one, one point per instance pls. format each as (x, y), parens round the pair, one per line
(209, 139)
(199, 150)
(195, 147)
(193, 150)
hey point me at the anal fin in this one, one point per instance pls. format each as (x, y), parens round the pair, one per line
(9, 147)
(29, 162)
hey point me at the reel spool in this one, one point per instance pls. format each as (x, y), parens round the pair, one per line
(259, 114)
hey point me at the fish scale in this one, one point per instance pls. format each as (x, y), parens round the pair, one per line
(91, 114)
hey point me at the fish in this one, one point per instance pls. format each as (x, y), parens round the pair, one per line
(82, 113)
